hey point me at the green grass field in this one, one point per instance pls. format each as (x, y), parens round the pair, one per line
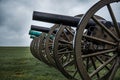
(17, 63)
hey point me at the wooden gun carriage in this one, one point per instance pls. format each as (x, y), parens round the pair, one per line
(85, 46)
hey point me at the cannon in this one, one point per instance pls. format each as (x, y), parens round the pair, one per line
(63, 37)
(34, 46)
(58, 61)
(43, 43)
(37, 46)
(93, 50)
(48, 42)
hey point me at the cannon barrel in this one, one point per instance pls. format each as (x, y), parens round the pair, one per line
(54, 18)
(32, 36)
(65, 20)
(59, 19)
(35, 33)
(40, 28)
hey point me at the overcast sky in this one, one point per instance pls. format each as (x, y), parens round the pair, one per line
(16, 16)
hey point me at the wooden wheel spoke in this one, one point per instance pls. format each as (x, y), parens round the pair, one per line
(66, 36)
(95, 39)
(87, 63)
(101, 61)
(105, 28)
(50, 40)
(65, 52)
(62, 49)
(69, 31)
(98, 53)
(92, 50)
(75, 73)
(103, 65)
(94, 65)
(64, 45)
(113, 19)
(115, 68)
(65, 42)
(60, 57)
(69, 63)
(69, 57)
(108, 56)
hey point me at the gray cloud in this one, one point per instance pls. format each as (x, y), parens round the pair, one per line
(16, 16)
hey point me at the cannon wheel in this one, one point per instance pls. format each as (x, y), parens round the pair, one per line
(49, 44)
(33, 47)
(64, 53)
(102, 69)
(41, 49)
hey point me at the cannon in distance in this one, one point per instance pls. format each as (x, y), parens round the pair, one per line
(65, 20)
(37, 31)
(41, 29)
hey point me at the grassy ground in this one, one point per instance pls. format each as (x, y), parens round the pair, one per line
(17, 63)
